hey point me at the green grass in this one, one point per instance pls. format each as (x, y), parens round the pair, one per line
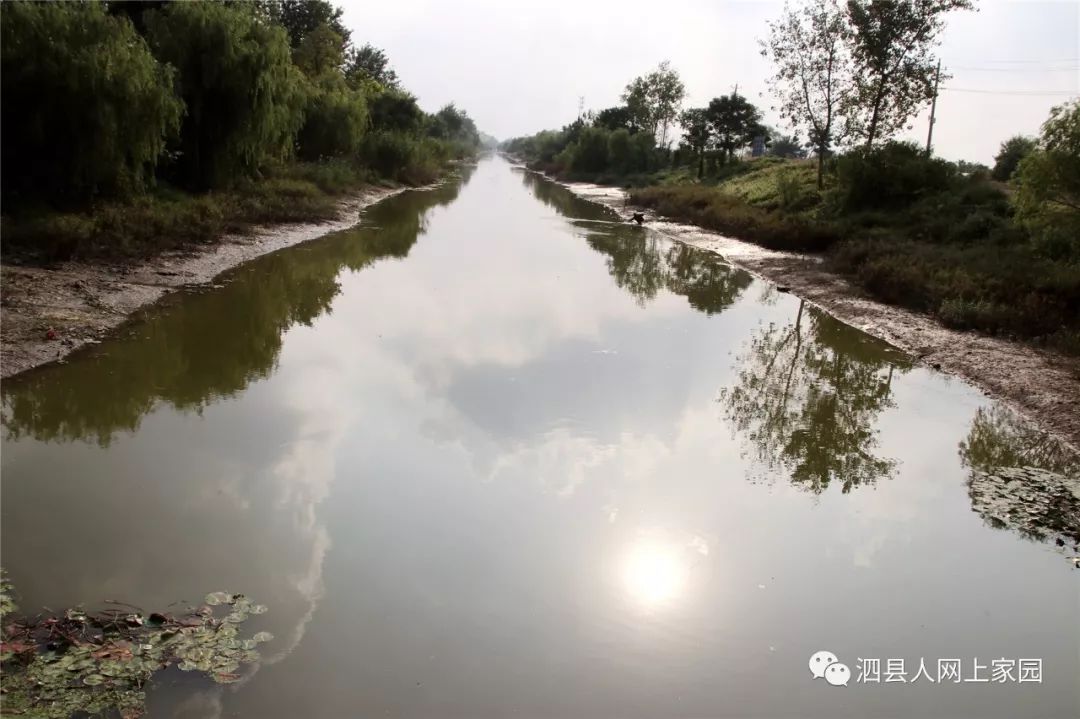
(715, 209)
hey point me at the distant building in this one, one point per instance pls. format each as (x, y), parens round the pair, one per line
(757, 147)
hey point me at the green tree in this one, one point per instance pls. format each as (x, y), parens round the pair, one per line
(1012, 151)
(813, 72)
(395, 110)
(321, 51)
(654, 100)
(697, 133)
(639, 105)
(735, 122)
(370, 63)
(892, 42)
(243, 94)
(1048, 197)
(300, 17)
(619, 150)
(86, 109)
(668, 92)
(453, 124)
(591, 150)
(614, 118)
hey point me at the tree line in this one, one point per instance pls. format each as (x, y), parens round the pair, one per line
(852, 73)
(109, 99)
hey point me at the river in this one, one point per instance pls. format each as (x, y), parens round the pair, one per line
(496, 452)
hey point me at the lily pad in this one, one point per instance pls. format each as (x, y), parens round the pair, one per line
(216, 598)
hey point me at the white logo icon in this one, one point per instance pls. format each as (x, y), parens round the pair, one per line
(825, 664)
(838, 674)
(820, 661)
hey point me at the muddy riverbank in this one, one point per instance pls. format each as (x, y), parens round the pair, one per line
(46, 313)
(1042, 385)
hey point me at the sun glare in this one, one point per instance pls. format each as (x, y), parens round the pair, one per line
(654, 573)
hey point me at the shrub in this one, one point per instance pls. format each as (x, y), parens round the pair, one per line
(387, 152)
(86, 109)
(891, 175)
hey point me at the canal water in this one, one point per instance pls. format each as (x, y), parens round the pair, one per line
(496, 452)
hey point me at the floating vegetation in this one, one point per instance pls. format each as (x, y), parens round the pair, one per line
(94, 663)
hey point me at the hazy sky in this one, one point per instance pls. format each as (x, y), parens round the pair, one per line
(522, 67)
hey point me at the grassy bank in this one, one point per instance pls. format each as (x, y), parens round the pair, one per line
(169, 219)
(943, 243)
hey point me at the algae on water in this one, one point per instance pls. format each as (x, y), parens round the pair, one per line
(100, 662)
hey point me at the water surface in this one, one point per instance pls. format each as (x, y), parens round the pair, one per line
(494, 452)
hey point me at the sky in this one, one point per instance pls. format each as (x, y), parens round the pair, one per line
(518, 68)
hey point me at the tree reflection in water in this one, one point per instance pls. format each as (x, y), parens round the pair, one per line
(193, 350)
(642, 263)
(1022, 479)
(807, 397)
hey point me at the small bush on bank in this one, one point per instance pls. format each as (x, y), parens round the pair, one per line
(891, 175)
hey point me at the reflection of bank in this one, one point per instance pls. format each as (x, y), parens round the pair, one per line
(1039, 505)
(198, 348)
(641, 262)
(1021, 478)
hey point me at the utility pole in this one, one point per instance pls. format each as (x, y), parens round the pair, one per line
(933, 109)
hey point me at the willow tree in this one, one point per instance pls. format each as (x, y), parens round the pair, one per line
(86, 109)
(244, 96)
(813, 79)
(335, 120)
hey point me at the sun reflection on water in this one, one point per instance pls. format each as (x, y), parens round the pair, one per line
(654, 572)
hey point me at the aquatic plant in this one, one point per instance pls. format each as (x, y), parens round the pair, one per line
(54, 666)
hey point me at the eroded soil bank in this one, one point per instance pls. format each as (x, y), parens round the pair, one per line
(1042, 385)
(48, 313)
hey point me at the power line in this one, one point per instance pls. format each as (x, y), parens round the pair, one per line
(1048, 61)
(1011, 92)
(1015, 69)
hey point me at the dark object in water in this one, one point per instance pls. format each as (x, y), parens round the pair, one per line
(638, 218)
(783, 288)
